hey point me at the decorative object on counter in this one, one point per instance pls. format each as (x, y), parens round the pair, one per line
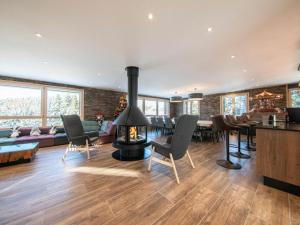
(100, 118)
(265, 102)
(120, 108)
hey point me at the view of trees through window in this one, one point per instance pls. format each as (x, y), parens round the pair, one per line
(23, 106)
(234, 104)
(19, 106)
(154, 106)
(150, 107)
(295, 97)
(61, 103)
(191, 107)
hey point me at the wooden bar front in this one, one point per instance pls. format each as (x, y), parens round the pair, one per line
(278, 154)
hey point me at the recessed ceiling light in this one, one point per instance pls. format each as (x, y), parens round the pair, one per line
(38, 35)
(233, 56)
(209, 29)
(45, 62)
(244, 70)
(99, 74)
(150, 16)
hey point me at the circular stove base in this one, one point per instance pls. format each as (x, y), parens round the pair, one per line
(126, 156)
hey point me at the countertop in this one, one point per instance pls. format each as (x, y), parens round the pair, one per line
(281, 126)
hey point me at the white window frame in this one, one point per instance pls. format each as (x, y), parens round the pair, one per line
(166, 105)
(187, 107)
(44, 90)
(233, 96)
(62, 89)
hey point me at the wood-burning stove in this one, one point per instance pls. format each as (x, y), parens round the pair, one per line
(131, 133)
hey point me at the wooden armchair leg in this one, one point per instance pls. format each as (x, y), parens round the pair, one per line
(191, 161)
(67, 150)
(87, 149)
(150, 160)
(174, 168)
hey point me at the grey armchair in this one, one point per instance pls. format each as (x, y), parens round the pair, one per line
(78, 140)
(176, 146)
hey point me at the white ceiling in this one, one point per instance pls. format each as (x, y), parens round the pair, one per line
(174, 51)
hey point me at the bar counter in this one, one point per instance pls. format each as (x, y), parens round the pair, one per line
(278, 155)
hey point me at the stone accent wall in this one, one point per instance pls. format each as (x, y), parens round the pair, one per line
(95, 100)
(210, 105)
(104, 101)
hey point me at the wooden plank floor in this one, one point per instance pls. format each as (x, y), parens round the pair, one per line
(107, 191)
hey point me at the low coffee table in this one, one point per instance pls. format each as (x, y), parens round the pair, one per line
(12, 154)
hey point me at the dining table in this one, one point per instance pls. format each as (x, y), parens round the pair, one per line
(204, 123)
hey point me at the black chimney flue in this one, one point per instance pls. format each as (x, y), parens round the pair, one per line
(132, 75)
(132, 115)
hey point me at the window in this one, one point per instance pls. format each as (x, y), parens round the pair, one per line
(23, 104)
(185, 107)
(150, 107)
(61, 102)
(294, 97)
(161, 108)
(235, 104)
(191, 107)
(195, 106)
(141, 104)
(20, 106)
(154, 106)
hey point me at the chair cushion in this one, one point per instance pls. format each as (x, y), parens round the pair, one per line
(92, 133)
(7, 141)
(25, 131)
(104, 125)
(93, 139)
(5, 133)
(45, 140)
(60, 130)
(162, 148)
(110, 128)
(89, 125)
(102, 134)
(45, 130)
(106, 139)
(60, 139)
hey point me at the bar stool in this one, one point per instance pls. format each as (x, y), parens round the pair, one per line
(223, 126)
(243, 127)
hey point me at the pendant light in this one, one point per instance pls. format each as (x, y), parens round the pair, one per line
(196, 95)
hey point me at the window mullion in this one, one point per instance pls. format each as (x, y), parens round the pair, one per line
(44, 106)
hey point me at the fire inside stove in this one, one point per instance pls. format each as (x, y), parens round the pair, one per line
(131, 135)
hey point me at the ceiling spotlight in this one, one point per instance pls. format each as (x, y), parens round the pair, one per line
(150, 16)
(233, 56)
(38, 35)
(209, 29)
